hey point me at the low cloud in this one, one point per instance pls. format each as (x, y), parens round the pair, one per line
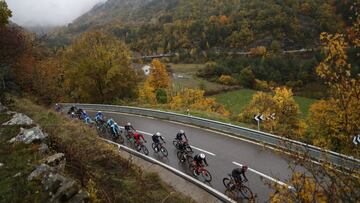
(48, 12)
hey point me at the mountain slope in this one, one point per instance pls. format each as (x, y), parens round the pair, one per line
(152, 26)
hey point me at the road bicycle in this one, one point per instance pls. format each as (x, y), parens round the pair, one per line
(176, 143)
(233, 189)
(159, 147)
(200, 170)
(185, 156)
(141, 147)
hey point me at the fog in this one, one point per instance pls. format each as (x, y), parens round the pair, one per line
(48, 12)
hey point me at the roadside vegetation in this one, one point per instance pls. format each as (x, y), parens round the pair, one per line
(18, 160)
(95, 164)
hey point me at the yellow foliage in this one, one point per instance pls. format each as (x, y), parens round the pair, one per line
(147, 93)
(335, 121)
(306, 190)
(258, 51)
(283, 105)
(194, 99)
(227, 80)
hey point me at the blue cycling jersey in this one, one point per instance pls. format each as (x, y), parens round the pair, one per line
(110, 122)
(115, 128)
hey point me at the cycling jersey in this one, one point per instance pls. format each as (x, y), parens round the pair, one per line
(110, 122)
(180, 136)
(198, 160)
(115, 129)
(99, 118)
(88, 120)
(236, 173)
(129, 128)
(156, 139)
(137, 137)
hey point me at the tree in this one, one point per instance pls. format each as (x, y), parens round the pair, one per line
(247, 77)
(98, 69)
(340, 113)
(286, 110)
(5, 13)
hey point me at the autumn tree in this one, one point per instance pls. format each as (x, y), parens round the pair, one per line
(194, 99)
(5, 14)
(335, 121)
(98, 69)
(286, 110)
(156, 84)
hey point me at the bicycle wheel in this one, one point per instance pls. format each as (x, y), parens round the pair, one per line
(153, 146)
(246, 192)
(231, 193)
(206, 175)
(144, 149)
(227, 182)
(164, 151)
(120, 139)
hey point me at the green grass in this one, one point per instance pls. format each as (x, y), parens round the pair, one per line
(18, 158)
(236, 101)
(189, 78)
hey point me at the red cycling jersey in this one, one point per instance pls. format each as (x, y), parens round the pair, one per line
(137, 137)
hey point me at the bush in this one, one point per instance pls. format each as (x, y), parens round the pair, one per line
(227, 80)
(161, 96)
(247, 78)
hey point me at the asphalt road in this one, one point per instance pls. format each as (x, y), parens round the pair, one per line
(223, 153)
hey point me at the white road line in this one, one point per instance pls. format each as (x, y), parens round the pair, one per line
(202, 150)
(266, 176)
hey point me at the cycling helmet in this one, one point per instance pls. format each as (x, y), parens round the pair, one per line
(244, 168)
(202, 156)
(158, 134)
(128, 123)
(182, 131)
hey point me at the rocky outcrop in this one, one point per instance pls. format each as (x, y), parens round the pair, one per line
(19, 119)
(60, 188)
(28, 136)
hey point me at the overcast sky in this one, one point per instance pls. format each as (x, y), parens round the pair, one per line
(48, 12)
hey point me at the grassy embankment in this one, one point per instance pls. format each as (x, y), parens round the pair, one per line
(88, 158)
(19, 161)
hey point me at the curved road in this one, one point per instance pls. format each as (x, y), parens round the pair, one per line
(223, 152)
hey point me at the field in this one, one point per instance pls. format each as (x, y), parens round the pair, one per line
(236, 101)
(184, 76)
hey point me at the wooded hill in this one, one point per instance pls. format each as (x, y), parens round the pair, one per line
(150, 26)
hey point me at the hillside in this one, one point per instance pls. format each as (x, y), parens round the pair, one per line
(150, 26)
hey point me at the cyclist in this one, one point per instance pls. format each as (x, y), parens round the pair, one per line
(110, 122)
(115, 130)
(237, 172)
(198, 160)
(180, 135)
(156, 139)
(72, 109)
(88, 120)
(128, 128)
(182, 149)
(137, 137)
(100, 118)
(57, 107)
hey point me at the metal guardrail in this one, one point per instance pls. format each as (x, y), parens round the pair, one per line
(314, 152)
(209, 189)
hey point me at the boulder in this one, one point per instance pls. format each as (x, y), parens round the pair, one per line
(19, 119)
(53, 182)
(40, 172)
(44, 148)
(29, 135)
(57, 161)
(67, 190)
(80, 197)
